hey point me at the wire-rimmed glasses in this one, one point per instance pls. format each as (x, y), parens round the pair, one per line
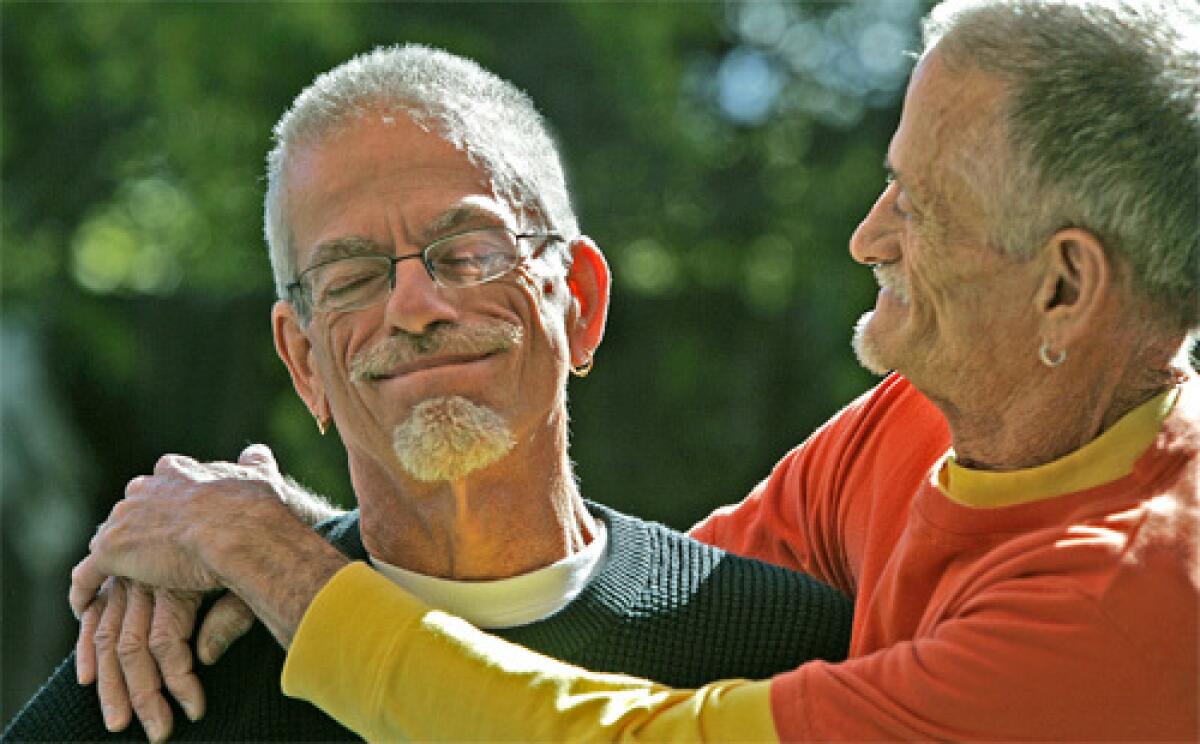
(463, 259)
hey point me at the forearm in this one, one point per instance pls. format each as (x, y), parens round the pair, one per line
(276, 573)
(365, 650)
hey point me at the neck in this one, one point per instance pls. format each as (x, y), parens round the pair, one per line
(1050, 413)
(520, 514)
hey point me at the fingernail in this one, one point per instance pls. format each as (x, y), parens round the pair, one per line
(154, 730)
(189, 709)
(216, 646)
(110, 718)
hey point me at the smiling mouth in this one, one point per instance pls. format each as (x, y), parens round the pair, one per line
(428, 363)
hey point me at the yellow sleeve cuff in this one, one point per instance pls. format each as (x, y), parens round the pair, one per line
(389, 668)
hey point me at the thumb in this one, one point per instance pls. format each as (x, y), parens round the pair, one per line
(228, 620)
(257, 455)
(86, 579)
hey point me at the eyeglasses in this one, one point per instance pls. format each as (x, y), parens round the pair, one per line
(460, 260)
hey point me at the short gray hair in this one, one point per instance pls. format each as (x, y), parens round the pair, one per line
(1102, 125)
(489, 118)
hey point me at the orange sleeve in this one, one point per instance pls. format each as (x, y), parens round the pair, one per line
(1029, 659)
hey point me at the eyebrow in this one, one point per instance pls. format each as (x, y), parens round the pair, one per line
(347, 247)
(456, 218)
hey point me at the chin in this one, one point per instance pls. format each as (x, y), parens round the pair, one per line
(866, 346)
(447, 438)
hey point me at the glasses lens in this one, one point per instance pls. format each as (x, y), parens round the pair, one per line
(349, 283)
(473, 257)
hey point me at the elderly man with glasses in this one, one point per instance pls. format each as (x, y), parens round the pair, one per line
(445, 376)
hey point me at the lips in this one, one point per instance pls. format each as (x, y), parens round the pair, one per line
(427, 363)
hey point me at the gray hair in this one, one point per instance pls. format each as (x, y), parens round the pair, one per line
(487, 117)
(1102, 126)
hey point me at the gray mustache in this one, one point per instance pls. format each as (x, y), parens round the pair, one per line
(403, 348)
(889, 277)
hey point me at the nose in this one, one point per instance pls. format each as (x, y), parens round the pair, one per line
(415, 303)
(878, 238)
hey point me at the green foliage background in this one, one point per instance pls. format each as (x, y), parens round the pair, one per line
(136, 288)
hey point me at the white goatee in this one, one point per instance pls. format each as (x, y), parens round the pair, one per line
(864, 347)
(446, 438)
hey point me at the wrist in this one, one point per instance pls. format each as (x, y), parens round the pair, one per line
(254, 516)
(273, 561)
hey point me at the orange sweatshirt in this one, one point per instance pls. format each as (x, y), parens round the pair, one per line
(1058, 602)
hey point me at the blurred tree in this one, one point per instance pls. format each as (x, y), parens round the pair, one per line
(720, 153)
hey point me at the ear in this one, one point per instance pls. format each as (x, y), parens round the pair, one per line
(1076, 288)
(588, 282)
(295, 349)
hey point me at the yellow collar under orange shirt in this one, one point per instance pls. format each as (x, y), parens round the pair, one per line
(1106, 458)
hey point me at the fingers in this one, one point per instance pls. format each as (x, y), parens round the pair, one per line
(261, 463)
(138, 666)
(174, 619)
(85, 645)
(229, 619)
(114, 697)
(169, 464)
(86, 578)
(257, 454)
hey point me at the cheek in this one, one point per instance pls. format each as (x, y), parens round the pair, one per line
(544, 303)
(934, 269)
(340, 342)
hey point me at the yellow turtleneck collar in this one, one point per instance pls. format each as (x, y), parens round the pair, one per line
(1106, 458)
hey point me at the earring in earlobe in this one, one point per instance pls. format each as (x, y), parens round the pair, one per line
(582, 370)
(322, 424)
(1051, 362)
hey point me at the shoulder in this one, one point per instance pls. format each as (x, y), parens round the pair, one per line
(897, 405)
(692, 590)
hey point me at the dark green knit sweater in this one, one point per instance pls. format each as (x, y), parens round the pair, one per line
(663, 606)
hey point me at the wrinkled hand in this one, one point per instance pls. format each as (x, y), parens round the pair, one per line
(133, 639)
(149, 537)
(193, 527)
(132, 642)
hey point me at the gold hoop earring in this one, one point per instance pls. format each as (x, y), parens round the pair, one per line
(582, 370)
(1044, 355)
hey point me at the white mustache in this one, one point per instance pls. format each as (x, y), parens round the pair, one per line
(403, 348)
(891, 278)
